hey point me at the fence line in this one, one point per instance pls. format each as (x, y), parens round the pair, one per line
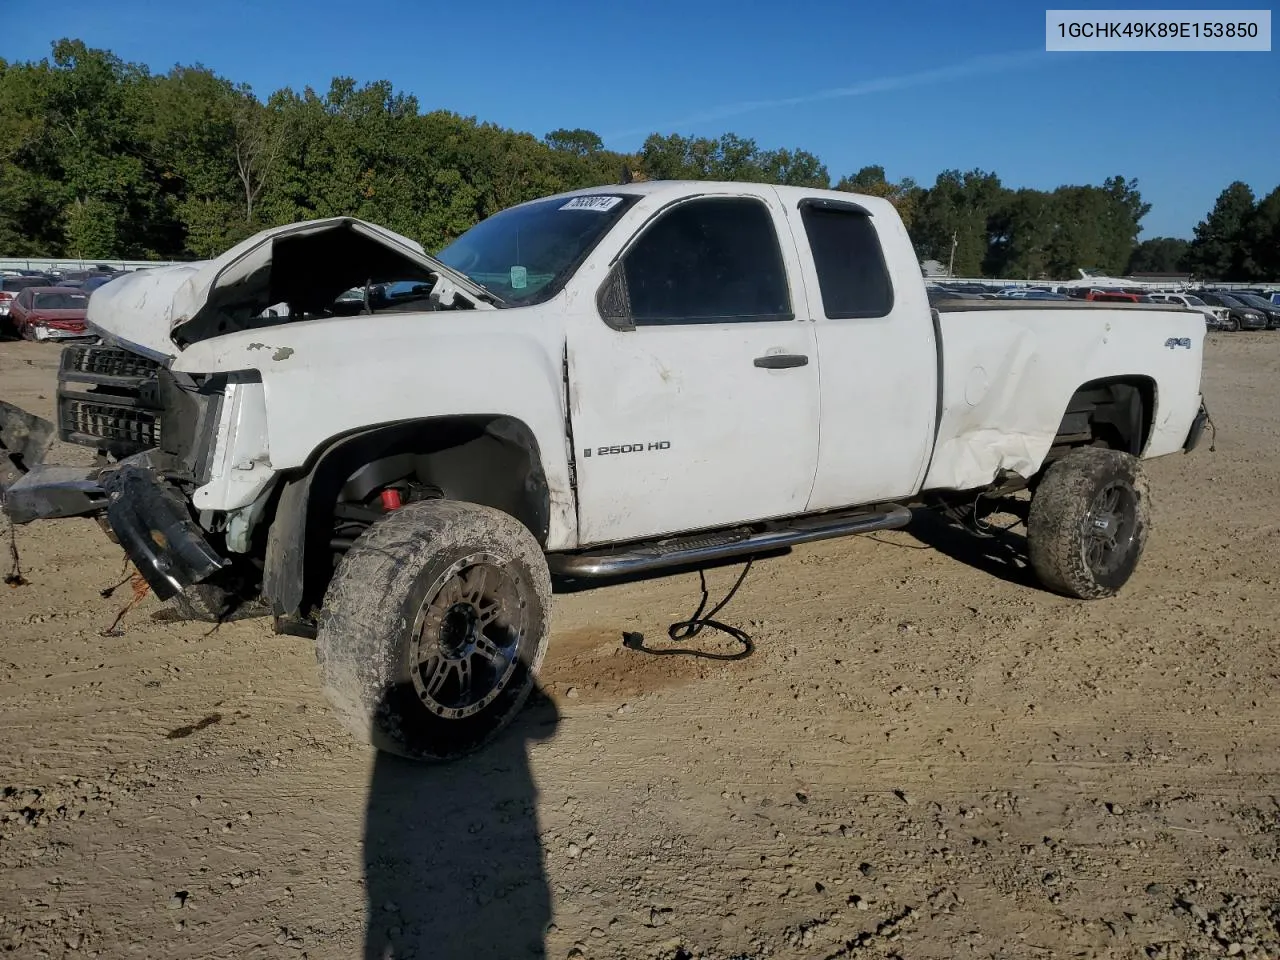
(72, 263)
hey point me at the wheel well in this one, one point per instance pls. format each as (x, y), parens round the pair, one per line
(1115, 412)
(489, 460)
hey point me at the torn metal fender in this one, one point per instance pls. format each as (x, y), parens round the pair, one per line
(24, 441)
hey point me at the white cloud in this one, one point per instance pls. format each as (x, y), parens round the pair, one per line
(996, 63)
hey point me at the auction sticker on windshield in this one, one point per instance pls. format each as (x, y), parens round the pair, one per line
(592, 203)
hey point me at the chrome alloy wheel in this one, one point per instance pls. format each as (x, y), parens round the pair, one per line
(466, 637)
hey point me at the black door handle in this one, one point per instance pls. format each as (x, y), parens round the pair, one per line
(780, 361)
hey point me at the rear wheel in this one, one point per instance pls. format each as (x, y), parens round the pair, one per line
(434, 627)
(1088, 523)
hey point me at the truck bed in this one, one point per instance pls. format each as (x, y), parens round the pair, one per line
(966, 305)
(1007, 381)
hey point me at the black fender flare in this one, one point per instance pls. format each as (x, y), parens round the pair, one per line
(292, 565)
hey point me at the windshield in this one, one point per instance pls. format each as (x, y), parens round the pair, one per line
(1251, 299)
(525, 254)
(1227, 301)
(1195, 302)
(60, 301)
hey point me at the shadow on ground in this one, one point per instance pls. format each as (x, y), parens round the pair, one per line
(1002, 553)
(453, 862)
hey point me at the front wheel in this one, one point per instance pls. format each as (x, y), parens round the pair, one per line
(434, 627)
(1088, 522)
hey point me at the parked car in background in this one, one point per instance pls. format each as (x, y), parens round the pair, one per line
(1215, 318)
(1268, 309)
(1117, 296)
(939, 294)
(10, 287)
(50, 313)
(1033, 294)
(1240, 317)
(88, 282)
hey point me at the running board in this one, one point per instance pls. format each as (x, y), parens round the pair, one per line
(707, 547)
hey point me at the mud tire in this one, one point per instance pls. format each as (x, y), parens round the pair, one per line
(1062, 528)
(365, 640)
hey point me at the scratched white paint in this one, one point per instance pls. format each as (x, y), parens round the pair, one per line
(345, 373)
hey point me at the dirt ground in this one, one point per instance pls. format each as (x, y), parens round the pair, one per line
(924, 756)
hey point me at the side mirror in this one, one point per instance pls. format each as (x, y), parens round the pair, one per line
(614, 301)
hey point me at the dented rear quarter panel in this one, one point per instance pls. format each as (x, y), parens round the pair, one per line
(1009, 373)
(326, 378)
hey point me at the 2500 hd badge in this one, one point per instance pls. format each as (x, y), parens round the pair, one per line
(627, 448)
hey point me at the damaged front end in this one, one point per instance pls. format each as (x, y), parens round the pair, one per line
(153, 430)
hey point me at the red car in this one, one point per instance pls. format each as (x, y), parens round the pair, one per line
(1118, 296)
(49, 313)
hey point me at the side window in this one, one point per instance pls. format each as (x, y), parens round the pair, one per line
(852, 274)
(24, 299)
(712, 260)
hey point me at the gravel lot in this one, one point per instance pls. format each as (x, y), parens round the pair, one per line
(924, 756)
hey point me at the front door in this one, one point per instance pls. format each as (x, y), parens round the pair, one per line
(694, 396)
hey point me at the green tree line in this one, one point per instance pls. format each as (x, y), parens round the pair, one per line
(100, 158)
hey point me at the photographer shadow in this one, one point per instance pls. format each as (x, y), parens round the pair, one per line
(452, 857)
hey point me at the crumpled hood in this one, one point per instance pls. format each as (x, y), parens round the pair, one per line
(137, 309)
(307, 264)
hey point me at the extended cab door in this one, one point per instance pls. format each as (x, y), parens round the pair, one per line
(694, 380)
(877, 351)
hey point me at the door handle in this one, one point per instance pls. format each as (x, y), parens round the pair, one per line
(780, 361)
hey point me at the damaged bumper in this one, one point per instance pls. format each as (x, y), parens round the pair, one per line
(155, 528)
(147, 515)
(48, 492)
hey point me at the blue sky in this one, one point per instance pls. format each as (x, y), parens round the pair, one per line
(915, 87)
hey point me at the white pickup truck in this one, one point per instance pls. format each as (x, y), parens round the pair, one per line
(603, 382)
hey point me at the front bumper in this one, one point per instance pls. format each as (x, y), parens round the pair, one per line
(53, 333)
(48, 492)
(146, 513)
(155, 528)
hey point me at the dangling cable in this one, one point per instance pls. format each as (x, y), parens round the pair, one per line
(15, 578)
(687, 629)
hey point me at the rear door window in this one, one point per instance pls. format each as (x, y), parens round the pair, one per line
(852, 274)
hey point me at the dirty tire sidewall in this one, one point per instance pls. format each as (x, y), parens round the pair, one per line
(1056, 535)
(363, 640)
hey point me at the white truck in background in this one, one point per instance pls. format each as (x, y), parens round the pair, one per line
(603, 382)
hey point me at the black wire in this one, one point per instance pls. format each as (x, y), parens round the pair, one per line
(15, 578)
(690, 628)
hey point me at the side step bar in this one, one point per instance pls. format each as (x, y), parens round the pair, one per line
(704, 547)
